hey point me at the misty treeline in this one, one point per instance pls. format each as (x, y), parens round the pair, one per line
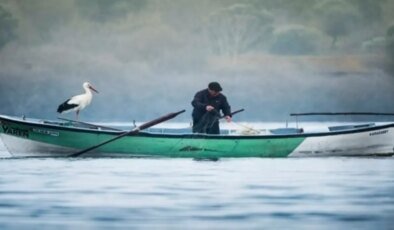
(226, 27)
(150, 56)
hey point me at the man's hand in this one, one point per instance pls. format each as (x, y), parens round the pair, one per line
(209, 108)
(228, 118)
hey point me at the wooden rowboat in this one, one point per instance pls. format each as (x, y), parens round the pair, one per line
(32, 137)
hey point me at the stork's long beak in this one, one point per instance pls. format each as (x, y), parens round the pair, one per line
(91, 87)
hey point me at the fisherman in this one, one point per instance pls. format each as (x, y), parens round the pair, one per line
(207, 105)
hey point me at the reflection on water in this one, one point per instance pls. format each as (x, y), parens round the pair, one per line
(328, 193)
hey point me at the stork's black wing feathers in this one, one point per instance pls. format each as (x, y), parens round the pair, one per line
(65, 106)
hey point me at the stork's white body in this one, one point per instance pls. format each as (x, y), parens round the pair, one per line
(78, 102)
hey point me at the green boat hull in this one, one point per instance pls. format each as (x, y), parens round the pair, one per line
(150, 144)
(45, 138)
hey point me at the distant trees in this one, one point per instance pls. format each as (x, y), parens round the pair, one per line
(390, 48)
(104, 11)
(297, 10)
(390, 31)
(7, 27)
(337, 18)
(295, 40)
(374, 45)
(238, 29)
(370, 10)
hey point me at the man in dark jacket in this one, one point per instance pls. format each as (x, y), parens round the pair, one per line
(207, 104)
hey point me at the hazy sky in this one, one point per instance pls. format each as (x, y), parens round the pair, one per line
(149, 57)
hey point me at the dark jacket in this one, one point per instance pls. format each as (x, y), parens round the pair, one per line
(203, 98)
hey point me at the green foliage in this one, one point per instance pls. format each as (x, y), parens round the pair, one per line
(390, 50)
(337, 18)
(296, 40)
(39, 19)
(298, 11)
(238, 28)
(370, 10)
(390, 32)
(376, 44)
(7, 27)
(294, 7)
(107, 10)
(390, 43)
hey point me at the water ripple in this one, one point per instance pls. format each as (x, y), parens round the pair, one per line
(330, 193)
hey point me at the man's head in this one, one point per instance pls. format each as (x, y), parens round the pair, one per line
(214, 88)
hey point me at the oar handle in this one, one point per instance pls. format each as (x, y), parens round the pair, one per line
(233, 113)
(341, 113)
(237, 111)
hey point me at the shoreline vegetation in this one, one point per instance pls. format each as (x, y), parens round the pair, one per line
(320, 64)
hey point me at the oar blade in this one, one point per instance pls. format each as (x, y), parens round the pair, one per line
(160, 120)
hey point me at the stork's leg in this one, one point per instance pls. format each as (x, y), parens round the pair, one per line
(77, 114)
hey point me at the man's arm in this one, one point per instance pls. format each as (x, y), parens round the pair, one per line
(226, 108)
(198, 101)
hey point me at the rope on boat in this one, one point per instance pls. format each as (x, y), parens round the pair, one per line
(247, 130)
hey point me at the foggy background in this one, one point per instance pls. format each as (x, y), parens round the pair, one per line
(149, 57)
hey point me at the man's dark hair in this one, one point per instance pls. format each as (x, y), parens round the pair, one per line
(215, 86)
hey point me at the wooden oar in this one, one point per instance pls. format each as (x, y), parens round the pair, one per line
(341, 113)
(232, 114)
(89, 124)
(131, 132)
(235, 112)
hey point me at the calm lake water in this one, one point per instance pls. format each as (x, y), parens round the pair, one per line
(251, 193)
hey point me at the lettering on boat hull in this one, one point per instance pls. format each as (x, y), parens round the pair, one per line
(16, 131)
(379, 132)
(46, 132)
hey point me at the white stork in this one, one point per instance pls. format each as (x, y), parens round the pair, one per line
(78, 102)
